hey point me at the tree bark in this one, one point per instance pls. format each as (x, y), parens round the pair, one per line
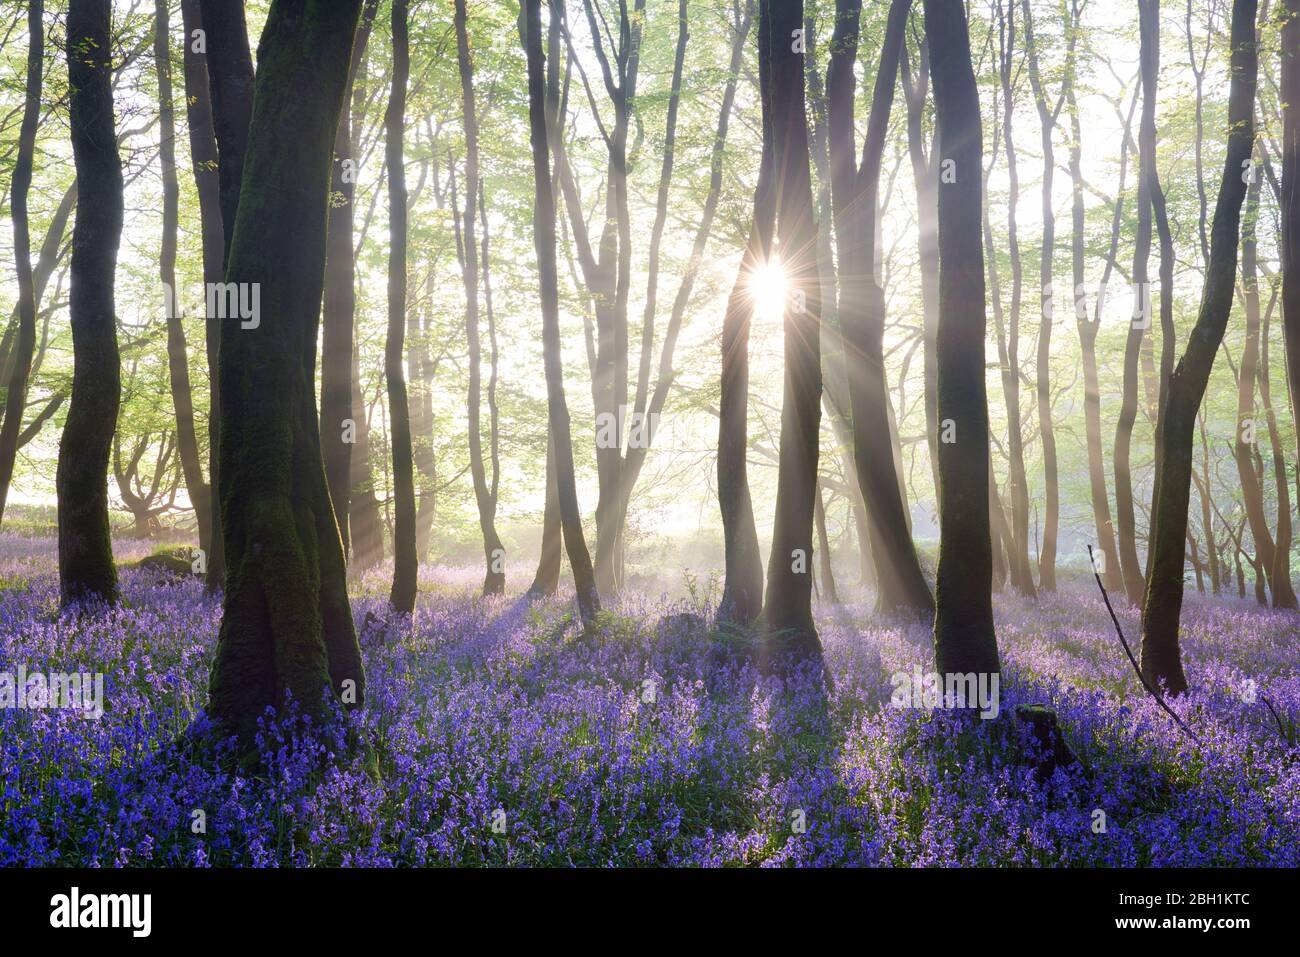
(1018, 479)
(338, 416)
(965, 640)
(787, 606)
(1247, 433)
(1149, 56)
(1281, 570)
(178, 360)
(230, 80)
(742, 592)
(544, 223)
(405, 559)
(1047, 115)
(86, 569)
(16, 396)
(494, 581)
(206, 163)
(287, 627)
(1161, 660)
(1290, 206)
(1088, 329)
(901, 585)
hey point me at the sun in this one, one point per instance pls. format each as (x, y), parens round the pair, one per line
(768, 287)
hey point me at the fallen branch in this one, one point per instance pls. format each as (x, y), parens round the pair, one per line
(1132, 660)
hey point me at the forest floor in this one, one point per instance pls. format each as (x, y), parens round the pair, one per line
(496, 732)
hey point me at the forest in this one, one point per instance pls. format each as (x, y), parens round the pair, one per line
(649, 433)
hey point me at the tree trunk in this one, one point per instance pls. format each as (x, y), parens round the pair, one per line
(742, 592)
(178, 361)
(787, 606)
(1052, 493)
(1087, 329)
(339, 425)
(1290, 206)
(855, 189)
(16, 396)
(1130, 565)
(1017, 477)
(1281, 570)
(203, 154)
(86, 569)
(824, 570)
(405, 559)
(230, 80)
(547, 578)
(364, 523)
(544, 222)
(287, 627)
(494, 581)
(965, 640)
(925, 173)
(1248, 431)
(1161, 661)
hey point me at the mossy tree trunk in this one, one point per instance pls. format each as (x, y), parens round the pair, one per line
(1162, 605)
(964, 636)
(287, 626)
(86, 570)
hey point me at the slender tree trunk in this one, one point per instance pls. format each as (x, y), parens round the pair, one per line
(1088, 329)
(287, 627)
(178, 361)
(86, 569)
(742, 593)
(547, 578)
(787, 606)
(855, 189)
(1290, 206)
(544, 227)
(925, 173)
(230, 79)
(230, 75)
(203, 154)
(1018, 479)
(1047, 115)
(405, 560)
(364, 522)
(965, 640)
(1161, 661)
(494, 581)
(338, 415)
(1248, 431)
(16, 396)
(1281, 570)
(824, 570)
(1130, 565)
